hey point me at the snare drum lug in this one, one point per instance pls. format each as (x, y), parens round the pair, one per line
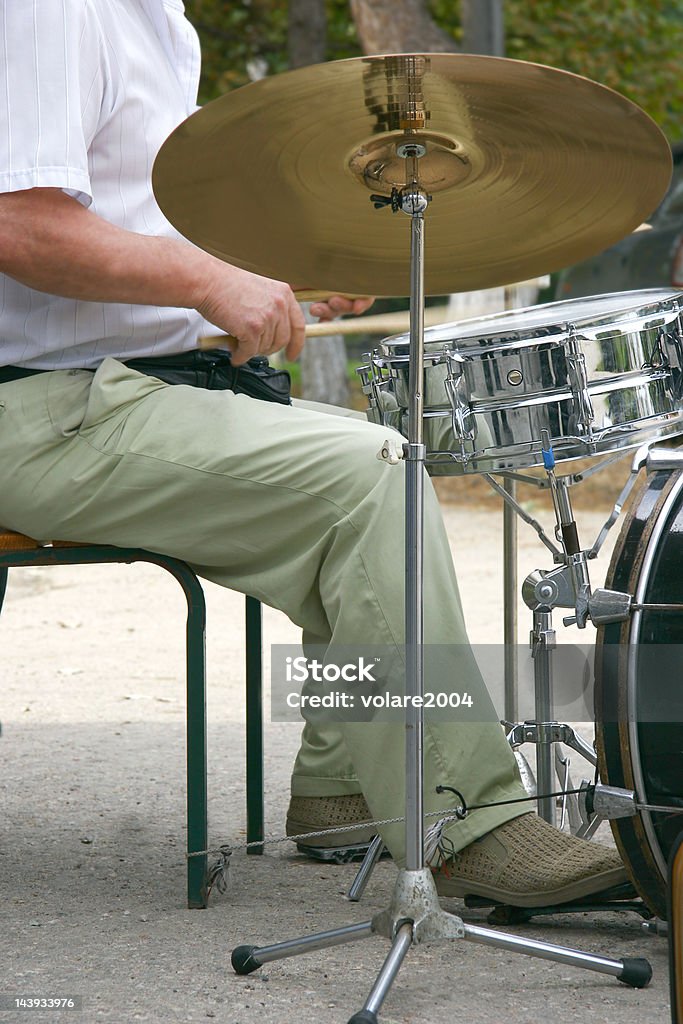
(461, 412)
(578, 379)
(659, 360)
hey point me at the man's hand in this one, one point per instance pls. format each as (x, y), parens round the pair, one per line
(261, 314)
(337, 305)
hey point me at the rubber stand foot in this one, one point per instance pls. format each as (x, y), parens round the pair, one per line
(243, 960)
(363, 1017)
(637, 972)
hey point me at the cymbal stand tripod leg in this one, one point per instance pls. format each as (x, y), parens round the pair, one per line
(414, 914)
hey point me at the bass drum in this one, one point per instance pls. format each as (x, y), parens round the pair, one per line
(639, 683)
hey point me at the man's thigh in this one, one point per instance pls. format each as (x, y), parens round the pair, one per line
(121, 458)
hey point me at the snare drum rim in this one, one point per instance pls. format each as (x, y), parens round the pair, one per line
(480, 337)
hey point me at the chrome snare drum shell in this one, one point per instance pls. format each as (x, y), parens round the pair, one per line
(599, 374)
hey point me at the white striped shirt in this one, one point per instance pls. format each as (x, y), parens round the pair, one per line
(89, 90)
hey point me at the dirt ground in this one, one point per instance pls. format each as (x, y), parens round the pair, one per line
(91, 857)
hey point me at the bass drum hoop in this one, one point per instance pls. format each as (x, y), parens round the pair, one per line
(620, 762)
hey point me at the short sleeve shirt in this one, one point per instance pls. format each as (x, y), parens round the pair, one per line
(89, 91)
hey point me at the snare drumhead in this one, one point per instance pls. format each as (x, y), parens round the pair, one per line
(592, 314)
(638, 677)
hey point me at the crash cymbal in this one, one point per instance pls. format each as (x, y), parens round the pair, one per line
(530, 169)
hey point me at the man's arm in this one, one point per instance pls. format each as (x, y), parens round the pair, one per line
(50, 242)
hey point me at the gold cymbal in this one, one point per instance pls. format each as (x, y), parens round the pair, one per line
(530, 169)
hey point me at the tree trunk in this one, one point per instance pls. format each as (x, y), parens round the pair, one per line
(323, 361)
(306, 32)
(399, 26)
(483, 27)
(323, 371)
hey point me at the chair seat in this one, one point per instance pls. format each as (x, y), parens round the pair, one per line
(10, 540)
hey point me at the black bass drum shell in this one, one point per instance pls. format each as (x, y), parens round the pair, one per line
(639, 683)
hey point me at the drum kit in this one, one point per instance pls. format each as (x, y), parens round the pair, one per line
(593, 376)
(505, 170)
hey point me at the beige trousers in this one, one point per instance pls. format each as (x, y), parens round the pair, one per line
(288, 504)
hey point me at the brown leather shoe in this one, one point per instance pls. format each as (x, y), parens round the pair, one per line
(528, 863)
(311, 814)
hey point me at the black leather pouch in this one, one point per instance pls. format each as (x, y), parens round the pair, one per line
(213, 369)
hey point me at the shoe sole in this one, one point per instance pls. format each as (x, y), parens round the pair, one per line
(338, 854)
(591, 886)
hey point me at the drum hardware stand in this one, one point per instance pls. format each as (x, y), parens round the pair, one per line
(414, 914)
(566, 586)
(511, 706)
(542, 592)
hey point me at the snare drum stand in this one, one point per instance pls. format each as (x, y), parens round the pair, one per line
(414, 914)
(567, 586)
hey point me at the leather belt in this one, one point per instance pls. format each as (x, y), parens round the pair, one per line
(8, 373)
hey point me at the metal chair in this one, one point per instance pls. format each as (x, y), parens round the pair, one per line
(16, 549)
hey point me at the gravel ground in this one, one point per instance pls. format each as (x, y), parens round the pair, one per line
(92, 849)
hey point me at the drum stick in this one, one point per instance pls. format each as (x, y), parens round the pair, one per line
(302, 294)
(383, 324)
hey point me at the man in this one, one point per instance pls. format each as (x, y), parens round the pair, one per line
(288, 504)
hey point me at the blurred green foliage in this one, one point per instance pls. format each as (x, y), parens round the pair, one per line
(235, 33)
(633, 46)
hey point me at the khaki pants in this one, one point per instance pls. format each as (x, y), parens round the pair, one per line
(290, 505)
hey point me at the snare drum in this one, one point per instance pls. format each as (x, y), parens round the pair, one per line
(639, 683)
(599, 374)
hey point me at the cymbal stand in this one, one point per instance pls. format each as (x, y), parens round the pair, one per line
(414, 914)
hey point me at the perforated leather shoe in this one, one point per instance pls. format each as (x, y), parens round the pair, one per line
(312, 814)
(528, 863)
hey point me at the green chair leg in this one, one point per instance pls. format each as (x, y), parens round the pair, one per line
(197, 805)
(197, 813)
(254, 704)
